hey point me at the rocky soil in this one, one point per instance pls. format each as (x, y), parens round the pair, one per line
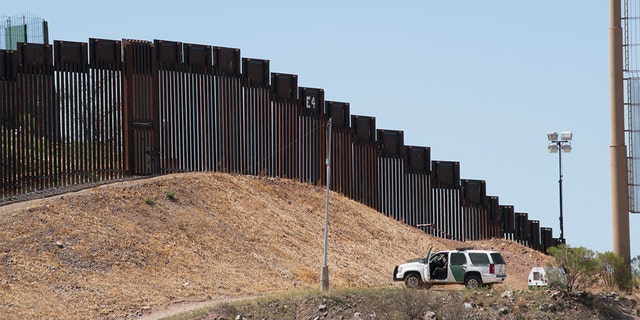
(435, 304)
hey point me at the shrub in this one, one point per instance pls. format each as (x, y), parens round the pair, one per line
(614, 272)
(608, 262)
(171, 195)
(579, 264)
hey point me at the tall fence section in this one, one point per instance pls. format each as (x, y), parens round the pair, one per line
(77, 113)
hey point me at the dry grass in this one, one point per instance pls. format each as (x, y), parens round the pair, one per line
(111, 253)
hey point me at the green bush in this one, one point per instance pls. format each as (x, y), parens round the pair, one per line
(580, 265)
(608, 263)
(614, 272)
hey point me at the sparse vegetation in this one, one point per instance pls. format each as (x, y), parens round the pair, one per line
(609, 262)
(580, 266)
(584, 268)
(171, 195)
(391, 303)
(149, 200)
(614, 272)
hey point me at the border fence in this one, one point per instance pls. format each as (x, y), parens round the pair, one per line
(78, 113)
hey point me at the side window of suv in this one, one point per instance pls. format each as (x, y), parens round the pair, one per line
(458, 258)
(479, 259)
(497, 258)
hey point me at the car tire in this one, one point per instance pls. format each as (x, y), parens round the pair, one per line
(472, 282)
(413, 281)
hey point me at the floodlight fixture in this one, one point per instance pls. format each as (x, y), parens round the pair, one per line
(566, 135)
(552, 136)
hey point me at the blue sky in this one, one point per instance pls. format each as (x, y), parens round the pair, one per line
(480, 82)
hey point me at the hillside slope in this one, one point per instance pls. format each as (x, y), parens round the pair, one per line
(125, 249)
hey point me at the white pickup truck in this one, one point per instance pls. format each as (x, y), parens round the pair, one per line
(473, 268)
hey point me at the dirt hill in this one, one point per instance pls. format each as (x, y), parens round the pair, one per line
(127, 249)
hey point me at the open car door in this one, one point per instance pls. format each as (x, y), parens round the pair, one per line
(427, 268)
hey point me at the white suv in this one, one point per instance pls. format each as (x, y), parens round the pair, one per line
(474, 268)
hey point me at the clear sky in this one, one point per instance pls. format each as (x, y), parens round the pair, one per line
(480, 82)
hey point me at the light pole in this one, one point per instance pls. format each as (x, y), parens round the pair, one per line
(324, 277)
(559, 146)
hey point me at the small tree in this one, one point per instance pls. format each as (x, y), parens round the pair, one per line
(579, 264)
(614, 271)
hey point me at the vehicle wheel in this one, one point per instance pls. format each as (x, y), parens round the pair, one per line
(413, 281)
(472, 282)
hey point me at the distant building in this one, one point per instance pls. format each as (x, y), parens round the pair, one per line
(24, 27)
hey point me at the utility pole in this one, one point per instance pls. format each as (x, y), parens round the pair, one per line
(325, 267)
(618, 149)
